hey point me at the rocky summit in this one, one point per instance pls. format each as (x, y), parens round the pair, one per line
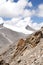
(27, 51)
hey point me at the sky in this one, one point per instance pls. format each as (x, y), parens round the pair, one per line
(15, 11)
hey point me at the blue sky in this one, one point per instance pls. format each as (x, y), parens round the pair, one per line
(35, 4)
(20, 13)
(21, 9)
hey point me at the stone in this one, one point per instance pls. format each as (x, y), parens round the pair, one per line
(20, 44)
(34, 39)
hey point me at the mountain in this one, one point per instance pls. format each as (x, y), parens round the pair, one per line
(21, 27)
(1, 25)
(7, 37)
(26, 51)
(29, 28)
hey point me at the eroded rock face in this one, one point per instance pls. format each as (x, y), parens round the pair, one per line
(19, 47)
(21, 44)
(34, 39)
(42, 31)
(26, 52)
(2, 62)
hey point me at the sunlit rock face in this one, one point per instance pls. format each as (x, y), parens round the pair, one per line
(35, 38)
(26, 51)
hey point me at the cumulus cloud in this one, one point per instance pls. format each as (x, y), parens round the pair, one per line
(10, 9)
(17, 11)
(1, 20)
(36, 26)
(20, 24)
(2, 1)
(30, 4)
(39, 11)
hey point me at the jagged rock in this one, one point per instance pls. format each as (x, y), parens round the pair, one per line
(0, 57)
(34, 39)
(42, 31)
(19, 61)
(21, 44)
(2, 62)
(19, 47)
(23, 54)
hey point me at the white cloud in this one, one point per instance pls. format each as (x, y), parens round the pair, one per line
(30, 4)
(27, 13)
(15, 10)
(20, 24)
(2, 1)
(1, 20)
(36, 26)
(10, 9)
(39, 11)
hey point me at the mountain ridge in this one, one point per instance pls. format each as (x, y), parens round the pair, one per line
(28, 51)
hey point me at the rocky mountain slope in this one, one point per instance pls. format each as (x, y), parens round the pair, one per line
(27, 51)
(7, 37)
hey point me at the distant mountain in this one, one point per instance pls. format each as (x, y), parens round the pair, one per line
(20, 29)
(1, 25)
(7, 37)
(29, 28)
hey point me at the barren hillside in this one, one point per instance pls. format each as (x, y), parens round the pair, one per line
(7, 37)
(26, 51)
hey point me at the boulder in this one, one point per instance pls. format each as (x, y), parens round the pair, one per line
(21, 44)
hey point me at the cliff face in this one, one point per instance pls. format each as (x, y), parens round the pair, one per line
(28, 51)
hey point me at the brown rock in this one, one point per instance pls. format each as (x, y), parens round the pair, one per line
(42, 31)
(2, 62)
(34, 38)
(23, 54)
(20, 44)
